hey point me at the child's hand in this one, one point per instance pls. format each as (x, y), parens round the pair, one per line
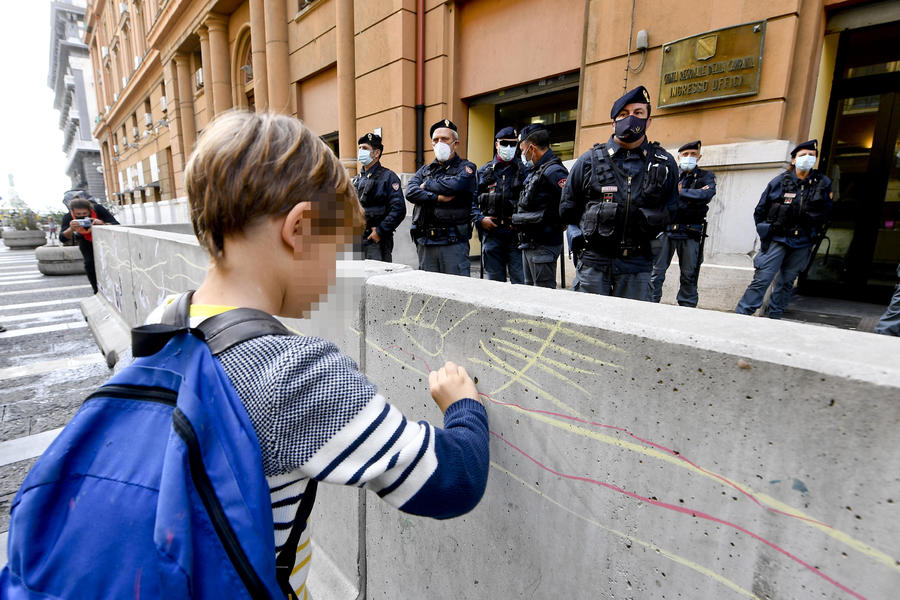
(449, 384)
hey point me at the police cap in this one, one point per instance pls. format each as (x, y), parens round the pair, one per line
(442, 123)
(373, 140)
(690, 146)
(638, 94)
(807, 145)
(530, 130)
(507, 133)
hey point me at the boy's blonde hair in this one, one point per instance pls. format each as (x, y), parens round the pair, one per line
(247, 166)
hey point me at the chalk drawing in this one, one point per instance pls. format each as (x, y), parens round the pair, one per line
(517, 351)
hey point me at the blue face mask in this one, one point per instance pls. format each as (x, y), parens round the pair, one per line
(687, 163)
(506, 153)
(364, 157)
(805, 163)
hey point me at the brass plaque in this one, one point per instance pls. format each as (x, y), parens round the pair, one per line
(725, 63)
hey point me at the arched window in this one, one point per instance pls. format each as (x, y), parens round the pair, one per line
(243, 76)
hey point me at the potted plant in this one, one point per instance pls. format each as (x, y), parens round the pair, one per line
(25, 233)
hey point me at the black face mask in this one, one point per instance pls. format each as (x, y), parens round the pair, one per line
(631, 129)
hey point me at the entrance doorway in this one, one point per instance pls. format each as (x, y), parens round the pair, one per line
(861, 154)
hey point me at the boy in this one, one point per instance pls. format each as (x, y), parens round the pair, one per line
(264, 190)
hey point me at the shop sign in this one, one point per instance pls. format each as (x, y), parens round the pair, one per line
(725, 63)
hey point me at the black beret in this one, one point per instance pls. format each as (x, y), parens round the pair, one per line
(690, 146)
(373, 140)
(507, 133)
(638, 94)
(530, 129)
(443, 123)
(807, 145)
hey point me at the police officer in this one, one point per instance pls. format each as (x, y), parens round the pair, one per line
(378, 189)
(537, 213)
(685, 235)
(790, 215)
(889, 324)
(619, 195)
(443, 193)
(499, 185)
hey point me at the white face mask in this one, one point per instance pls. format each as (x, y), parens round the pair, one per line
(506, 153)
(687, 163)
(442, 151)
(365, 157)
(805, 163)
(525, 161)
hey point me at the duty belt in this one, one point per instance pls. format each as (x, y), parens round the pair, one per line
(685, 227)
(433, 232)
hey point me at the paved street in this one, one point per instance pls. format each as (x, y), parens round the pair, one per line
(48, 364)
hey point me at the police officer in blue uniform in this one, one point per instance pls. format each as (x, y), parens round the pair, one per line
(889, 324)
(686, 232)
(790, 214)
(378, 189)
(537, 213)
(618, 196)
(499, 185)
(443, 193)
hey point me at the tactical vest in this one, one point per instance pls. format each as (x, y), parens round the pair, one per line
(623, 213)
(531, 210)
(446, 214)
(499, 204)
(375, 209)
(791, 214)
(691, 213)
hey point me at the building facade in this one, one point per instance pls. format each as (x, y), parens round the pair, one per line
(795, 70)
(71, 77)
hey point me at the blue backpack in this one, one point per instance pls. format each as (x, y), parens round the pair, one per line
(156, 488)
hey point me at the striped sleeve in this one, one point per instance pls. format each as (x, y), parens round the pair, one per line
(413, 466)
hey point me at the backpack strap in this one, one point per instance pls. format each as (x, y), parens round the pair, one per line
(220, 332)
(284, 561)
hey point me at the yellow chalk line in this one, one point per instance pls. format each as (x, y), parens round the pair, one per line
(568, 331)
(670, 555)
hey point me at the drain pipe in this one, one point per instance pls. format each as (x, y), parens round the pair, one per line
(420, 83)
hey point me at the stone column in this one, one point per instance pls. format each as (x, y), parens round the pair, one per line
(185, 102)
(208, 91)
(258, 55)
(277, 68)
(220, 61)
(346, 74)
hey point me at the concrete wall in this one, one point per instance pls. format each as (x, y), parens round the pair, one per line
(638, 450)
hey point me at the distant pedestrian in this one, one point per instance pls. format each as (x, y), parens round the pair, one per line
(83, 216)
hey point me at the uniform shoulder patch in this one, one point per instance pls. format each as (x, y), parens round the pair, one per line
(395, 185)
(562, 182)
(469, 170)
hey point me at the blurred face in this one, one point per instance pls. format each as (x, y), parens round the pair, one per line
(692, 152)
(81, 213)
(803, 153)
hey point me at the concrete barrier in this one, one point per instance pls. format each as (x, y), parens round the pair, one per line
(638, 450)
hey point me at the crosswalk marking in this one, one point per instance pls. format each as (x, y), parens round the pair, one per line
(47, 314)
(23, 448)
(48, 366)
(13, 333)
(40, 303)
(44, 290)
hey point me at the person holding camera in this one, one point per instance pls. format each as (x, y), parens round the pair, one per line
(83, 216)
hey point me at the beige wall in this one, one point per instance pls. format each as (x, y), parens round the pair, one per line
(471, 48)
(500, 49)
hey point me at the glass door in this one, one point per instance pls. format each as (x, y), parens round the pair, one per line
(858, 260)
